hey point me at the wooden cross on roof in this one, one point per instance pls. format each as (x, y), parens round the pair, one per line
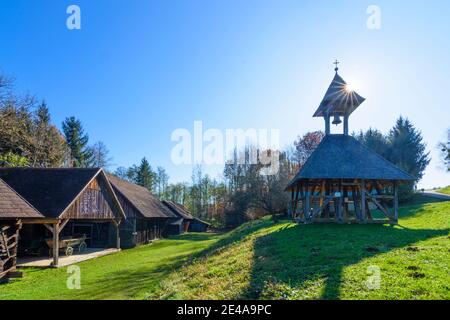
(336, 63)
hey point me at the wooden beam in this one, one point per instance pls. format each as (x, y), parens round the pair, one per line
(49, 227)
(363, 200)
(380, 206)
(320, 208)
(307, 205)
(395, 201)
(62, 225)
(55, 245)
(39, 221)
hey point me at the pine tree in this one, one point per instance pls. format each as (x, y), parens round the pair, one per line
(77, 141)
(407, 150)
(144, 175)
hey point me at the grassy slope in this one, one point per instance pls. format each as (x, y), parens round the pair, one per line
(288, 261)
(445, 190)
(130, 274)
(266, 260)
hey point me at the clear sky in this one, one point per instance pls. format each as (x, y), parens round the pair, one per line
(137, 70)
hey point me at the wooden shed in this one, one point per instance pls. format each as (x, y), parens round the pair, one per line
(198, 225)
(147, 217)
(74, 202)
(182, 220)
(13, 208)
(343, 179)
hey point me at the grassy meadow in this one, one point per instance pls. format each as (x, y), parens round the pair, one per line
(266, 260)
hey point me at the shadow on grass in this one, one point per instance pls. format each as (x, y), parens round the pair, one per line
(299, 254)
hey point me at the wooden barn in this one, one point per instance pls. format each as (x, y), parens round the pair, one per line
(198, 225)
(13, 208)
(74, 204)
(343, 179)
(182, 220)
(147, 217)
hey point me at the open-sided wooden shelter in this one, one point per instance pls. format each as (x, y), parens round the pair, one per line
(13, 208)
(343, 179)
(147, 217)
(72, 202)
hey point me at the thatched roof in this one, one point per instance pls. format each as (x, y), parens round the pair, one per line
(339, 100)
(13, 206)
(140, 198)
(51, 190)
(179, 210)
(341, 156)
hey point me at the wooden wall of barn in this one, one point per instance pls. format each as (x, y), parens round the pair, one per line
(95, 202)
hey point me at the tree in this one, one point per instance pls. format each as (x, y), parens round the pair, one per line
(305, 146)
(77, 140)
(407, 149)
(445, 151)
(99, 156)
(49, 149)
(375, 140)
(26, 129)
(144, 175)
(162, 180)
(10, 160)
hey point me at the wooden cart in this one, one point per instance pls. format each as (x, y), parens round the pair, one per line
(67, 245)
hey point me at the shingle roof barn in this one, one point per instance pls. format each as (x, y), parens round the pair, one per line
(141, 198)
(179, 210)
(50, 191)
(343, 157)
(13, 206)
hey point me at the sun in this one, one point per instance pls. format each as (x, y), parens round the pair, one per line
(349, 87)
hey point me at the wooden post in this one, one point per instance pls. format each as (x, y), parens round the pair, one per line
(346, 125)
(327, 124)
(363, 200)
(56, 244)
(396, 202)
(307, 207)
(117, 234)
(341, 203)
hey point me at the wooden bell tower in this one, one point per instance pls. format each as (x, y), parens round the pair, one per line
(339, 102)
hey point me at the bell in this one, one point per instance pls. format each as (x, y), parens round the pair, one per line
(337, 120)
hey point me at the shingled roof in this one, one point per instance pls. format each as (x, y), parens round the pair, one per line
(339, 99)
(178, 210)
(140, 198)
(13, 206)
(341, 156)
(49, 190)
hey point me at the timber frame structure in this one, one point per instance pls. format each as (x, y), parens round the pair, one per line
(345, 201)
(13, 209)
(65, 195)
(343, 181)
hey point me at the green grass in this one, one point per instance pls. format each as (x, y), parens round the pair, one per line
(263, 260)
(129, 274)
(445, 190)
(289, 261)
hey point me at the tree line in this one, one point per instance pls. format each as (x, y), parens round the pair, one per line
(29, 138)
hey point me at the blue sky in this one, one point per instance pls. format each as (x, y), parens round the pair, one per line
(138, 70)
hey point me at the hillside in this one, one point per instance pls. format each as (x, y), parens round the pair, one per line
(263, 260)
(287, 261)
